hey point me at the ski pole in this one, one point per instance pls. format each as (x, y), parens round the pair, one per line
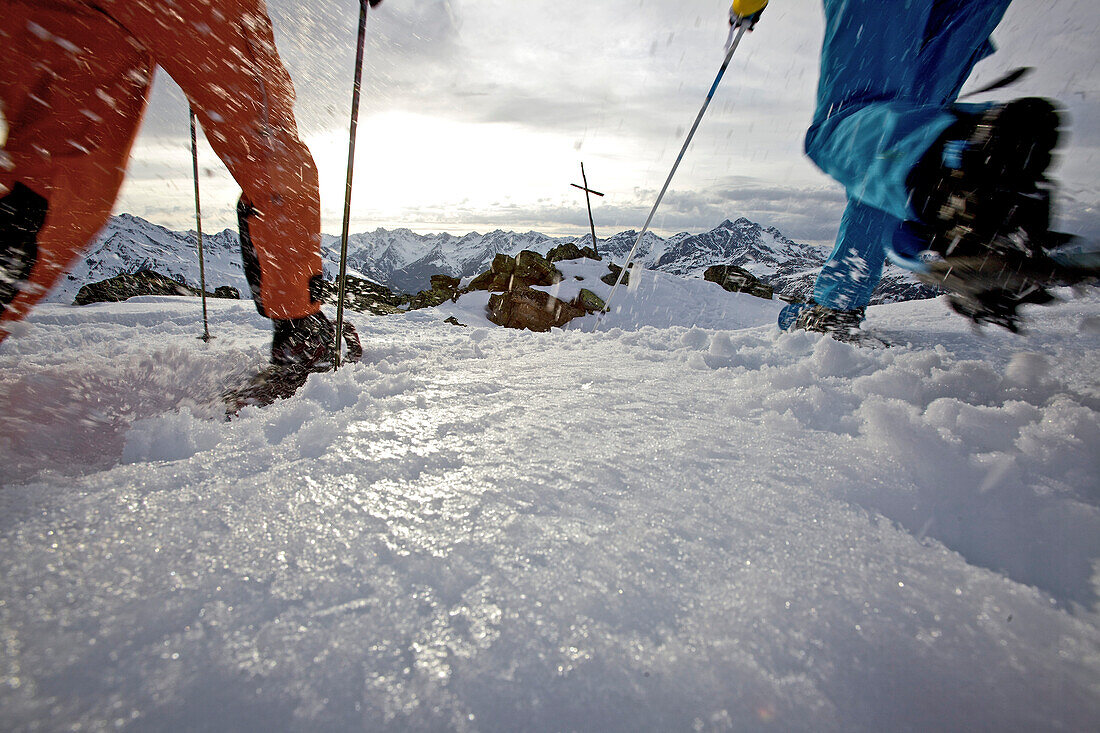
(739, 23)
(355, 94)
(198, 224)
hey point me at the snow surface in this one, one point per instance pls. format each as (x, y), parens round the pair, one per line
(682, 521)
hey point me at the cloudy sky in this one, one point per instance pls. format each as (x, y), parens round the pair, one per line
(477, 114)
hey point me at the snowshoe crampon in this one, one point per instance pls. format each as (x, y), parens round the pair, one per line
(845, 326)
(990, 287)
(284, 376)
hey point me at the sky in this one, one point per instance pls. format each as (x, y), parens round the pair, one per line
(477, 114)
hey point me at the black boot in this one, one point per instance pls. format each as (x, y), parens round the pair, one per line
(842, 325)
(307, 344)
(299, 347)
(983, 202)
(22, 213)
(983, 186)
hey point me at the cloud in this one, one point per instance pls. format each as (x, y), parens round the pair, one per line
(615, 83)
(810, 215)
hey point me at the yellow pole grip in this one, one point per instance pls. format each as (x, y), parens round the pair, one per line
(746, 8)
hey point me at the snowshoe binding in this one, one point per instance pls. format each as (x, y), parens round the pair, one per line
(299, 347)
(989, 170)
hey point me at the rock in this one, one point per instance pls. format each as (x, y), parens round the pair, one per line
(481, 282)
(738, 280)
(534, 269)
(130, 285)
(445, 282)
(498, 277)
(365, 296)
(570, 251)
(455, 322)
(508, 273)
(503, 264)
(444, 288)
(227, 292)
(588, 301)
(613, 275)
(525, 307)
(484, 281)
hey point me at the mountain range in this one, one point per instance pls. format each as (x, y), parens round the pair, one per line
(404, 260)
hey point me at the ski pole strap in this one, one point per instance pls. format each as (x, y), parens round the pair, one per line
(1010, 78)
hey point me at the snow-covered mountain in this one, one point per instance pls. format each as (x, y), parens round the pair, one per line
(404, 260)
(129, 244)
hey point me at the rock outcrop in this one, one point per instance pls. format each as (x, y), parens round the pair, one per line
(535, 310)
(613, 275)
(130, 285)
(365, 296)
(738, 280)
(444, 288)
(508, 273)
(227, 292)
(517, 303)
(570, 251)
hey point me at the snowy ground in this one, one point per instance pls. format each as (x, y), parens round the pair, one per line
(685, 521)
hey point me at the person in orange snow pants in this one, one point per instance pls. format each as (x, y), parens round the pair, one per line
(73, 88)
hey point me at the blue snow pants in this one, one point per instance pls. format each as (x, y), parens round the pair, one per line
(891, 71)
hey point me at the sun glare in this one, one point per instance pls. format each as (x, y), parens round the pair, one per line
(428, 170)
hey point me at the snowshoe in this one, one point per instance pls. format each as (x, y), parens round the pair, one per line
(841, 325)
(299, 348)
(988, 285)
(22, 213)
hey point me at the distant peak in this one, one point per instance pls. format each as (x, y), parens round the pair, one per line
(740, 223)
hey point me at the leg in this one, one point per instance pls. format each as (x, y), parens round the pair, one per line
(883, 101)
(854, 268)
(224, 58)
(886, 86)
(73, 91)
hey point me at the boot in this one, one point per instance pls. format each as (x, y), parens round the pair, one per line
(983, 187)
(842, 325)
(299, 347)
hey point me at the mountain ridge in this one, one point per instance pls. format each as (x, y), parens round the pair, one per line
(404, 260)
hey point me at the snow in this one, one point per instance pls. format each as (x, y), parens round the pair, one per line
(681, 521)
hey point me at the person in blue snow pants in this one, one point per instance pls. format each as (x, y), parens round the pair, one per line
(891, 71)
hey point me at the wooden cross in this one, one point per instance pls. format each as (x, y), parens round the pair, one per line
(588, 200)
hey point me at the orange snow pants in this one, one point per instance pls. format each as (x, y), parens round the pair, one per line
(74, 81)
